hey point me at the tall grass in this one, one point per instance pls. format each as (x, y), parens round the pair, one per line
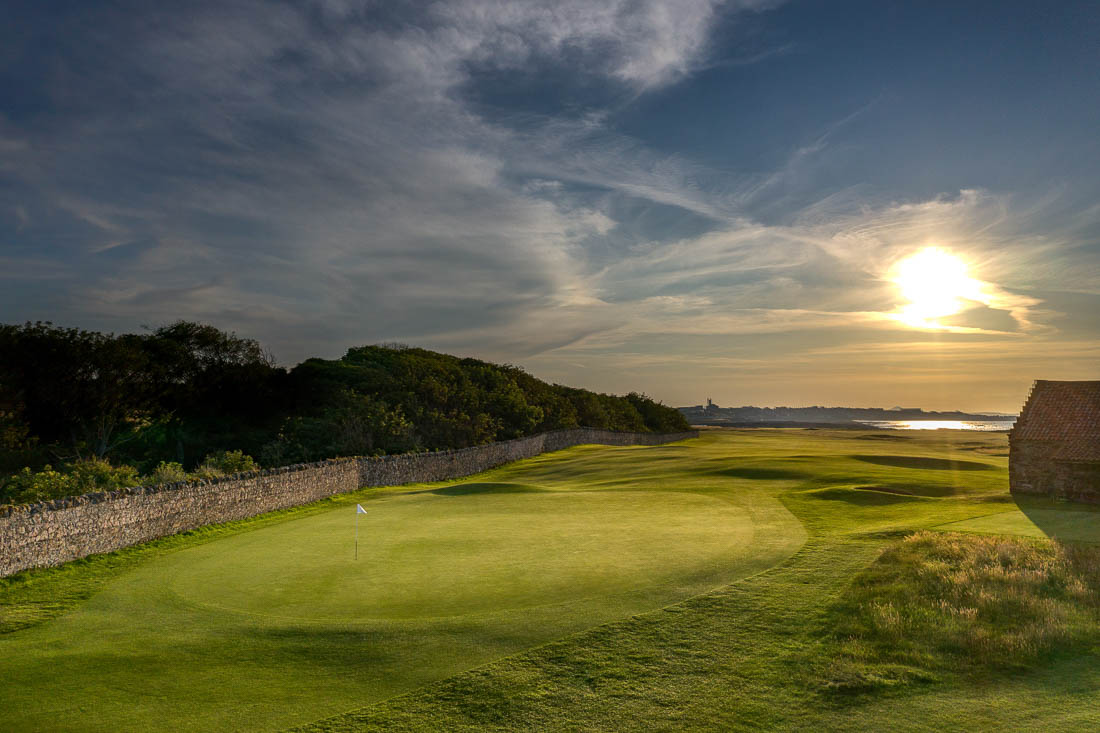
(944, 601)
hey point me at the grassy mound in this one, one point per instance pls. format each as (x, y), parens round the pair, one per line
(925, 464)
(945, 602)
(865, 495)
(485, 487)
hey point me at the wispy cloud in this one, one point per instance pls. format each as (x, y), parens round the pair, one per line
(330, 173)
(325, 163)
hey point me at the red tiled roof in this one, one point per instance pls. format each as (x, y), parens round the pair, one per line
(1064, 412)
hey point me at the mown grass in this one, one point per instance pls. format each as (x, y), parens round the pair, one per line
(278, 625)
(773, 651)
(875, 623)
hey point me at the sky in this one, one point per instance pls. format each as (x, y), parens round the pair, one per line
(687, 198)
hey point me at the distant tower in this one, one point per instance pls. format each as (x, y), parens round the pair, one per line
(710, 405)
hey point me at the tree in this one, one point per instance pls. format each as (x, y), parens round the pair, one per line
(214, 390)
(80, 389)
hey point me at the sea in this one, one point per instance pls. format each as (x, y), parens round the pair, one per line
(981, 425)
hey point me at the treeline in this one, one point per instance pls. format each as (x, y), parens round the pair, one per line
(83, 411)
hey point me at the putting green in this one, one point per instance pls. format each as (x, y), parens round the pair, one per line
(430, 555)
(1071, 525)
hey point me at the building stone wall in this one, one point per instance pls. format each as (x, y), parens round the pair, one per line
(54, 532)
(1029, 467)
(1033, 469)
(1080, 481)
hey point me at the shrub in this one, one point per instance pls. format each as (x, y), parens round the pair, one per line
(80, 477)
(225, 462)
(168, 472)
(27, 486)
(97, 474)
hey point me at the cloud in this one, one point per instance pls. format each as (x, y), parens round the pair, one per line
(645, 44)
(328, 172)
(325, 175)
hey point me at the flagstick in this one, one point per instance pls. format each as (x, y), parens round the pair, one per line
(358, 510)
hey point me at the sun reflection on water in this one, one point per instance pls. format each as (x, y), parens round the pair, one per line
(981, 425)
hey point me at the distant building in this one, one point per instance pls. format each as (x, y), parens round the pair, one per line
(1054, 448)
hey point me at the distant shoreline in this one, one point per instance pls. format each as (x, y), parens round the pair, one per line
(850, 425)
(847, 425)
(711, 414)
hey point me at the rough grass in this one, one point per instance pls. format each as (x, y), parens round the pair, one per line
(937, 602)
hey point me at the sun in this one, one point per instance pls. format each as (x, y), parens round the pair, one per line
(937, 284)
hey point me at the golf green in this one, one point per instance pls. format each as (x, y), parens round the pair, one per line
(426, 556)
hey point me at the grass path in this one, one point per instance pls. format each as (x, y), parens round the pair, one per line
(704, 663)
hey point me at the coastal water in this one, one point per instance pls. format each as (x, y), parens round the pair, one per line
(983, 425)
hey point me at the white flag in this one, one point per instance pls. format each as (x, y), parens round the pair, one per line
(359, 509)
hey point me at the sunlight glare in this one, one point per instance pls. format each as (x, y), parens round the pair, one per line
(936, 284)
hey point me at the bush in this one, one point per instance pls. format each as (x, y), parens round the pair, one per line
(355, 426)
(28, 487)
(168, 472)
(81, 477)
(223, 463)
(97, 474)
(213, 466)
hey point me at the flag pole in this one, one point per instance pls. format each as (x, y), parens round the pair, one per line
(358, 510)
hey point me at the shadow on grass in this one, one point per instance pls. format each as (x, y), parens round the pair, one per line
(933, 464)
(484, 488)
(882, 436)
(1061, 520)
(332, 647)
(865, 495)
(761, 474)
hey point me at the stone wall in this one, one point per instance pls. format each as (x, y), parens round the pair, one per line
(54, 532)
(1080, 481)
(1029, 467)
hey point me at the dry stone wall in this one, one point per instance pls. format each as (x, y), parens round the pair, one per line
(54, 532)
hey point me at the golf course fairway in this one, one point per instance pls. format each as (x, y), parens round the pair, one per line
(281, 625)
(744, 580)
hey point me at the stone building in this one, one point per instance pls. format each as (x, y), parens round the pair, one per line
(1054, 448)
